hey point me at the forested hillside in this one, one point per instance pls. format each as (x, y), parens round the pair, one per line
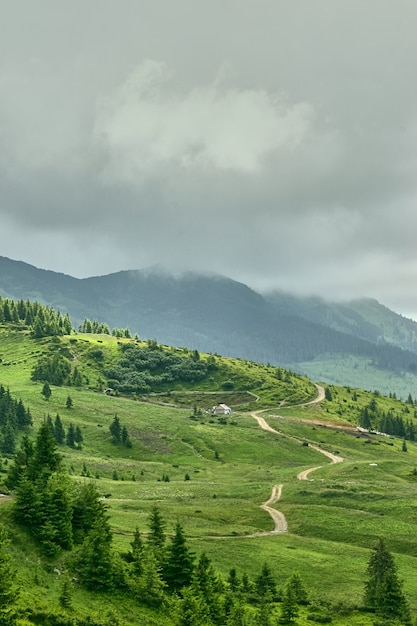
(128, 500)
(358, 343)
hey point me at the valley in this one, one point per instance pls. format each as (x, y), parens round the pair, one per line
(262, 485)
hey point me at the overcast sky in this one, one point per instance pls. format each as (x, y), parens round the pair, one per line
(273, 141)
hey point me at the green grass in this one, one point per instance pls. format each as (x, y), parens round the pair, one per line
(334, 518)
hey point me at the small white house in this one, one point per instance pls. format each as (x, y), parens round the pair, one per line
(221, 409)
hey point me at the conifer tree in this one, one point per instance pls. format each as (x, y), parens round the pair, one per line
(78, 437)
(383, 589)
(45, 459)
(178, 566)
(94, 561)
(149, 587)
(136, 553)
(156, 536)
(70, 438)
(59, 430)
(265, 583)
(116, 430)
(289, 608)
(46, 390)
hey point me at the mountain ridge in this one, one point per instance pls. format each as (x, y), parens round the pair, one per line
(213, 313)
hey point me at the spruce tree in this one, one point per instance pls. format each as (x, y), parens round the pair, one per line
(289, 608)
(116, 430)
(383, 589)
(46, 391)
(156, 536)
(94, 563)
(70, 438)
(178, 567)
(59, 430)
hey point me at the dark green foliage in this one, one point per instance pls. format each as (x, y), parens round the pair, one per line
(88, 508)
(289, 609)
(93, 326)
(265, 583)
(192, 609)
(211, 588)
(46, 391)
(136, 553)
(78, 437)
(55, 370)
(143, 369)
(119, 434)
(178, 565)
(297, 586)
(328, 394)
(21, 463)
(116, 430)
(59, 430)
(94, 560)
(13, 418)
(233, 580)
(69, 403)
(70, 438)
(383, 589)
(46, 459)
(156, 536)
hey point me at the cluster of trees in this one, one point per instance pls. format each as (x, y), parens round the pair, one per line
(143, 369)
(99, 328)
(14, 417)
(47, 503)
(159, 572)
(372, 417)
(71, 437)
(119, 433)
(56, 370)
(43, 320)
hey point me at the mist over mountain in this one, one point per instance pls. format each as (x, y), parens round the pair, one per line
(213, 313)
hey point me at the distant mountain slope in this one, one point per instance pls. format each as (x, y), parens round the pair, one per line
(217, 314)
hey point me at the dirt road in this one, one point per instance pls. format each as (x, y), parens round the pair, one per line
(280, 523)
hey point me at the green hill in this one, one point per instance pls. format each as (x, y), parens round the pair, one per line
(211, 313)
(209, 473)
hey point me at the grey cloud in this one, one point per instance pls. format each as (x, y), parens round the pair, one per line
(274, 142)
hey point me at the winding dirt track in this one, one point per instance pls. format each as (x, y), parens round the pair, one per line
(280, 523)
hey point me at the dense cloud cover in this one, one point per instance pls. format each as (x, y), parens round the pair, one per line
(272, 141)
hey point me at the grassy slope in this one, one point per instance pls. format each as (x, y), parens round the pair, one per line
(333, 518)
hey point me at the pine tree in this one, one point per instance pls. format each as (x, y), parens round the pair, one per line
(265, 583)
(297, 586)
(156, 536)
(178, 567)
(95, 560)
(46, 459)
(69, 402)
(46, 391)
(78, 437)
(116, 430)
(383, 589)
(59, 430)
(150, 588)
(289, 609)
(136, 553)
(211, 588)
(88, 510)
(192, 609)
(70, 438)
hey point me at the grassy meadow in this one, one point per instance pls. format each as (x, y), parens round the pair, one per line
(212, 476)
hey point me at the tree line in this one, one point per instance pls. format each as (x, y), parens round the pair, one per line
(42, 320)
